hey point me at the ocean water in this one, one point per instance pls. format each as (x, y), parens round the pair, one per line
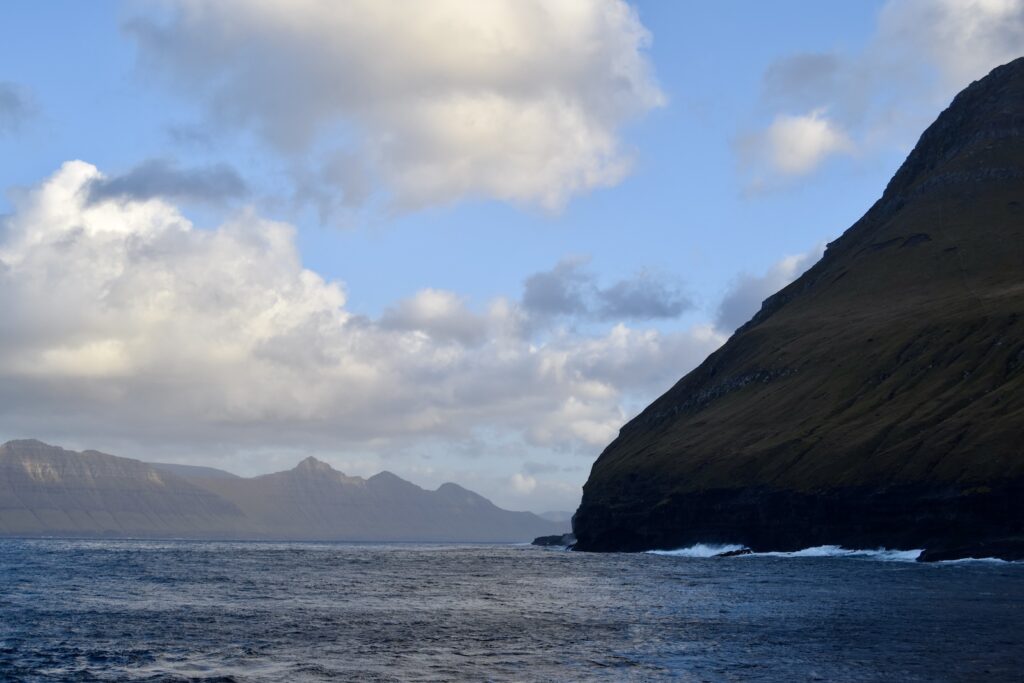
(176, 611)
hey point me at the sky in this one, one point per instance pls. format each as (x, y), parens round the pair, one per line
(456, 240)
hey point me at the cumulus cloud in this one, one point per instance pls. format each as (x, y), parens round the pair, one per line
(163, 178)
(744, 297)
(569, 290)
(922, 53)
(517, 100)
(122, 321)
(17, 106)
(441, 315)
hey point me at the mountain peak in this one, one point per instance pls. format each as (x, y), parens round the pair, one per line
(974, 147)
(963, 144)
(391, 481)
(311, 464)
(28, 443)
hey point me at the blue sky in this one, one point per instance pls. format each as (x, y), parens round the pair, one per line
(490, 236)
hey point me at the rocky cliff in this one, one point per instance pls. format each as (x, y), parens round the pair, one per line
(876, 401)
(45, 490)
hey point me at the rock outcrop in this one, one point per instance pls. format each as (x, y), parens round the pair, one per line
(555, 541)
(878, 400)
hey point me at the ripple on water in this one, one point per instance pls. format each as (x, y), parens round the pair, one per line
(141, 610)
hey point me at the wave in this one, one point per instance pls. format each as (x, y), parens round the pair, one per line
(713, 550)
(984, 560)
(884, 554)
(699, 550)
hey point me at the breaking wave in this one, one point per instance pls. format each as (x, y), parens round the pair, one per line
(883, 554)
(986, 560)
(712, 550)
(699, 550)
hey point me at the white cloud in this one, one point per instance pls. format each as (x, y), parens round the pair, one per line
(963, 39)
(523, 483)
(124, 322)
(922, 53)
(797, 145)
(516, 100)
(439, 314)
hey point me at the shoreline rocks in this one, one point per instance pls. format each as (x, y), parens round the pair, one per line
(563, 540)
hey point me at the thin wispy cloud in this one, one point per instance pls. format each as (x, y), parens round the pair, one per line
(162, 178)
(570, 290)
(17, 107)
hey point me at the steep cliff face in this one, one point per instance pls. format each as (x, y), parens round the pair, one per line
(878, 399)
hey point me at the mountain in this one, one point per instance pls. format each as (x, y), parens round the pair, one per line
(878, 400)
(193, 471)
(45, 490)
(315, 501)
(48, 490)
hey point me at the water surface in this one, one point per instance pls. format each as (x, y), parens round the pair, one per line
(142, 610)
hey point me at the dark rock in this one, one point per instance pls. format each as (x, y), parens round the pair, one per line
(563, 540)
(1005, 549)
(736, 553)
(874, 402)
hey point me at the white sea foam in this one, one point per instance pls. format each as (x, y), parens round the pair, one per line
(883, 554)
(699, 550)
(983, 560)
(711, 550)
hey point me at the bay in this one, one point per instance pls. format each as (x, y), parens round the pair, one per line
(179, 610)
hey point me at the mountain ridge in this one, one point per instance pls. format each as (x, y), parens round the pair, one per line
(47, 490)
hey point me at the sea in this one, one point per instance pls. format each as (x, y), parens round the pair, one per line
(76, 610)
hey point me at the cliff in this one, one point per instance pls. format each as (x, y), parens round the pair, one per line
(876, 401)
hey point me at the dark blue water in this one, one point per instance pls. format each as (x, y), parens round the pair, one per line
(124, 610)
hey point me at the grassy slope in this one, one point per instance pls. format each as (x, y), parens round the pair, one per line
(897, 359)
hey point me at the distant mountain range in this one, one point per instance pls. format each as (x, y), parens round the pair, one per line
(46, 490)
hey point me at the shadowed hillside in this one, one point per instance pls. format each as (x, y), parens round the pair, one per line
(876, 401)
